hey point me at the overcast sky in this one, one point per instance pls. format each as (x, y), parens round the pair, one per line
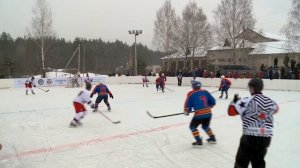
(111, 19)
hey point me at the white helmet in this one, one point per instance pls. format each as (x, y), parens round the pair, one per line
(222, 76)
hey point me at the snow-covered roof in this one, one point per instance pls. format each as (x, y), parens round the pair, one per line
(180, 54)
(276, 47)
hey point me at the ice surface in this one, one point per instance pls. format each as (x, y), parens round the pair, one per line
(34, 131)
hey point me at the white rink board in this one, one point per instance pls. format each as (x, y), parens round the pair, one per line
(276, 84)
(35, 134)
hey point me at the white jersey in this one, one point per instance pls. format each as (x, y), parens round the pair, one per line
(30, 81)
(257, 115)
(145, 79)
(88, 79)
(83, 97)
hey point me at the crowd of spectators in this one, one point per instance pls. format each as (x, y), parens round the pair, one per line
(266, 72)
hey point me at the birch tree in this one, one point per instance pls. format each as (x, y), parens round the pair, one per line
(231, 17)
(41, 28)
(164, 28)
(292, 28)
(193, 31)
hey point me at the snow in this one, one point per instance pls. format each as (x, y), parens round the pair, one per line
(180, 54)
(35, 133)
(277, 47)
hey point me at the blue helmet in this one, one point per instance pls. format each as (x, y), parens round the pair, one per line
(196, 84)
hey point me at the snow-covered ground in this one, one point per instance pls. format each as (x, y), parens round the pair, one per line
(35, 133)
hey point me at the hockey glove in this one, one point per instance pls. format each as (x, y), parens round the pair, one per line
(219, 89)
(236, 98)
(34, 86)
(111, 96)
(91, 96)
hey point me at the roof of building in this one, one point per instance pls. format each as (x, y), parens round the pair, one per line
(263, 43)
(277, 47)
(255, 37)
(180, 54)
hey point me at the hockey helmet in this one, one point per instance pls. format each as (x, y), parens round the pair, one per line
(257, 84)
(196, 84)
(222, 76)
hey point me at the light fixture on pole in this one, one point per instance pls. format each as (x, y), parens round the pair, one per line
(136, 33)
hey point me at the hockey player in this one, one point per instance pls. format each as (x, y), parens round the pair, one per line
(201, 101)
(145, 80)
(103, 93)
(82, 98)
(160, 82)
(256, 112)
(88, 79)
(224, 86)
(179, 79)
(29, 83)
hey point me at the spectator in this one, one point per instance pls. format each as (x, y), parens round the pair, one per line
(275, 62)
(270, 73)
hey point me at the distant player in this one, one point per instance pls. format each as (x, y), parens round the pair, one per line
(82, 98)
(145, 80)
(179, 79)
(29, 83)
(256, 112)
(224, 86)
(160, 83)
(201, 101)
(88, 79)
(103, 93)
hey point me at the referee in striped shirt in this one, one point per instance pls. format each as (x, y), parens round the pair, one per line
(256, 112)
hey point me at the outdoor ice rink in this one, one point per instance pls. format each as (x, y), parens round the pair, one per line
(35, 133)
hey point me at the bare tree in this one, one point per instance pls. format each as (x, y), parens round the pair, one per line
(41, 27)
(164, 27)
(292, 28)
(231, 17)
(193, 31)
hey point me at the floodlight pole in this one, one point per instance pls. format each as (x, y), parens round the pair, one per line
(136, 33)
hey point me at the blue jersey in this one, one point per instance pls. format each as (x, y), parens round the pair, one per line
(201, 101)
(101, 90)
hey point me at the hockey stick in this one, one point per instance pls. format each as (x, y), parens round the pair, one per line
(43, 89)
(169, 115)
(114, 122)
(214, 91)
(171, 90)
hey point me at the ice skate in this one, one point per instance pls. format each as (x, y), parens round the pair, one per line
(212, 139)
(32, 92)
(197, 143)
(109, 109)
(72, 125)
(78, 123)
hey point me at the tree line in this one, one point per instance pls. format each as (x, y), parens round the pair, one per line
(21, 57)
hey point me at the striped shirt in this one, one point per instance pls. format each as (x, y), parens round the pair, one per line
(257, 114)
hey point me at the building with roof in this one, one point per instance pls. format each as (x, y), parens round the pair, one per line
(262, 48)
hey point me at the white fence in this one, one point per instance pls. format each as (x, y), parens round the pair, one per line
(276, 84)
